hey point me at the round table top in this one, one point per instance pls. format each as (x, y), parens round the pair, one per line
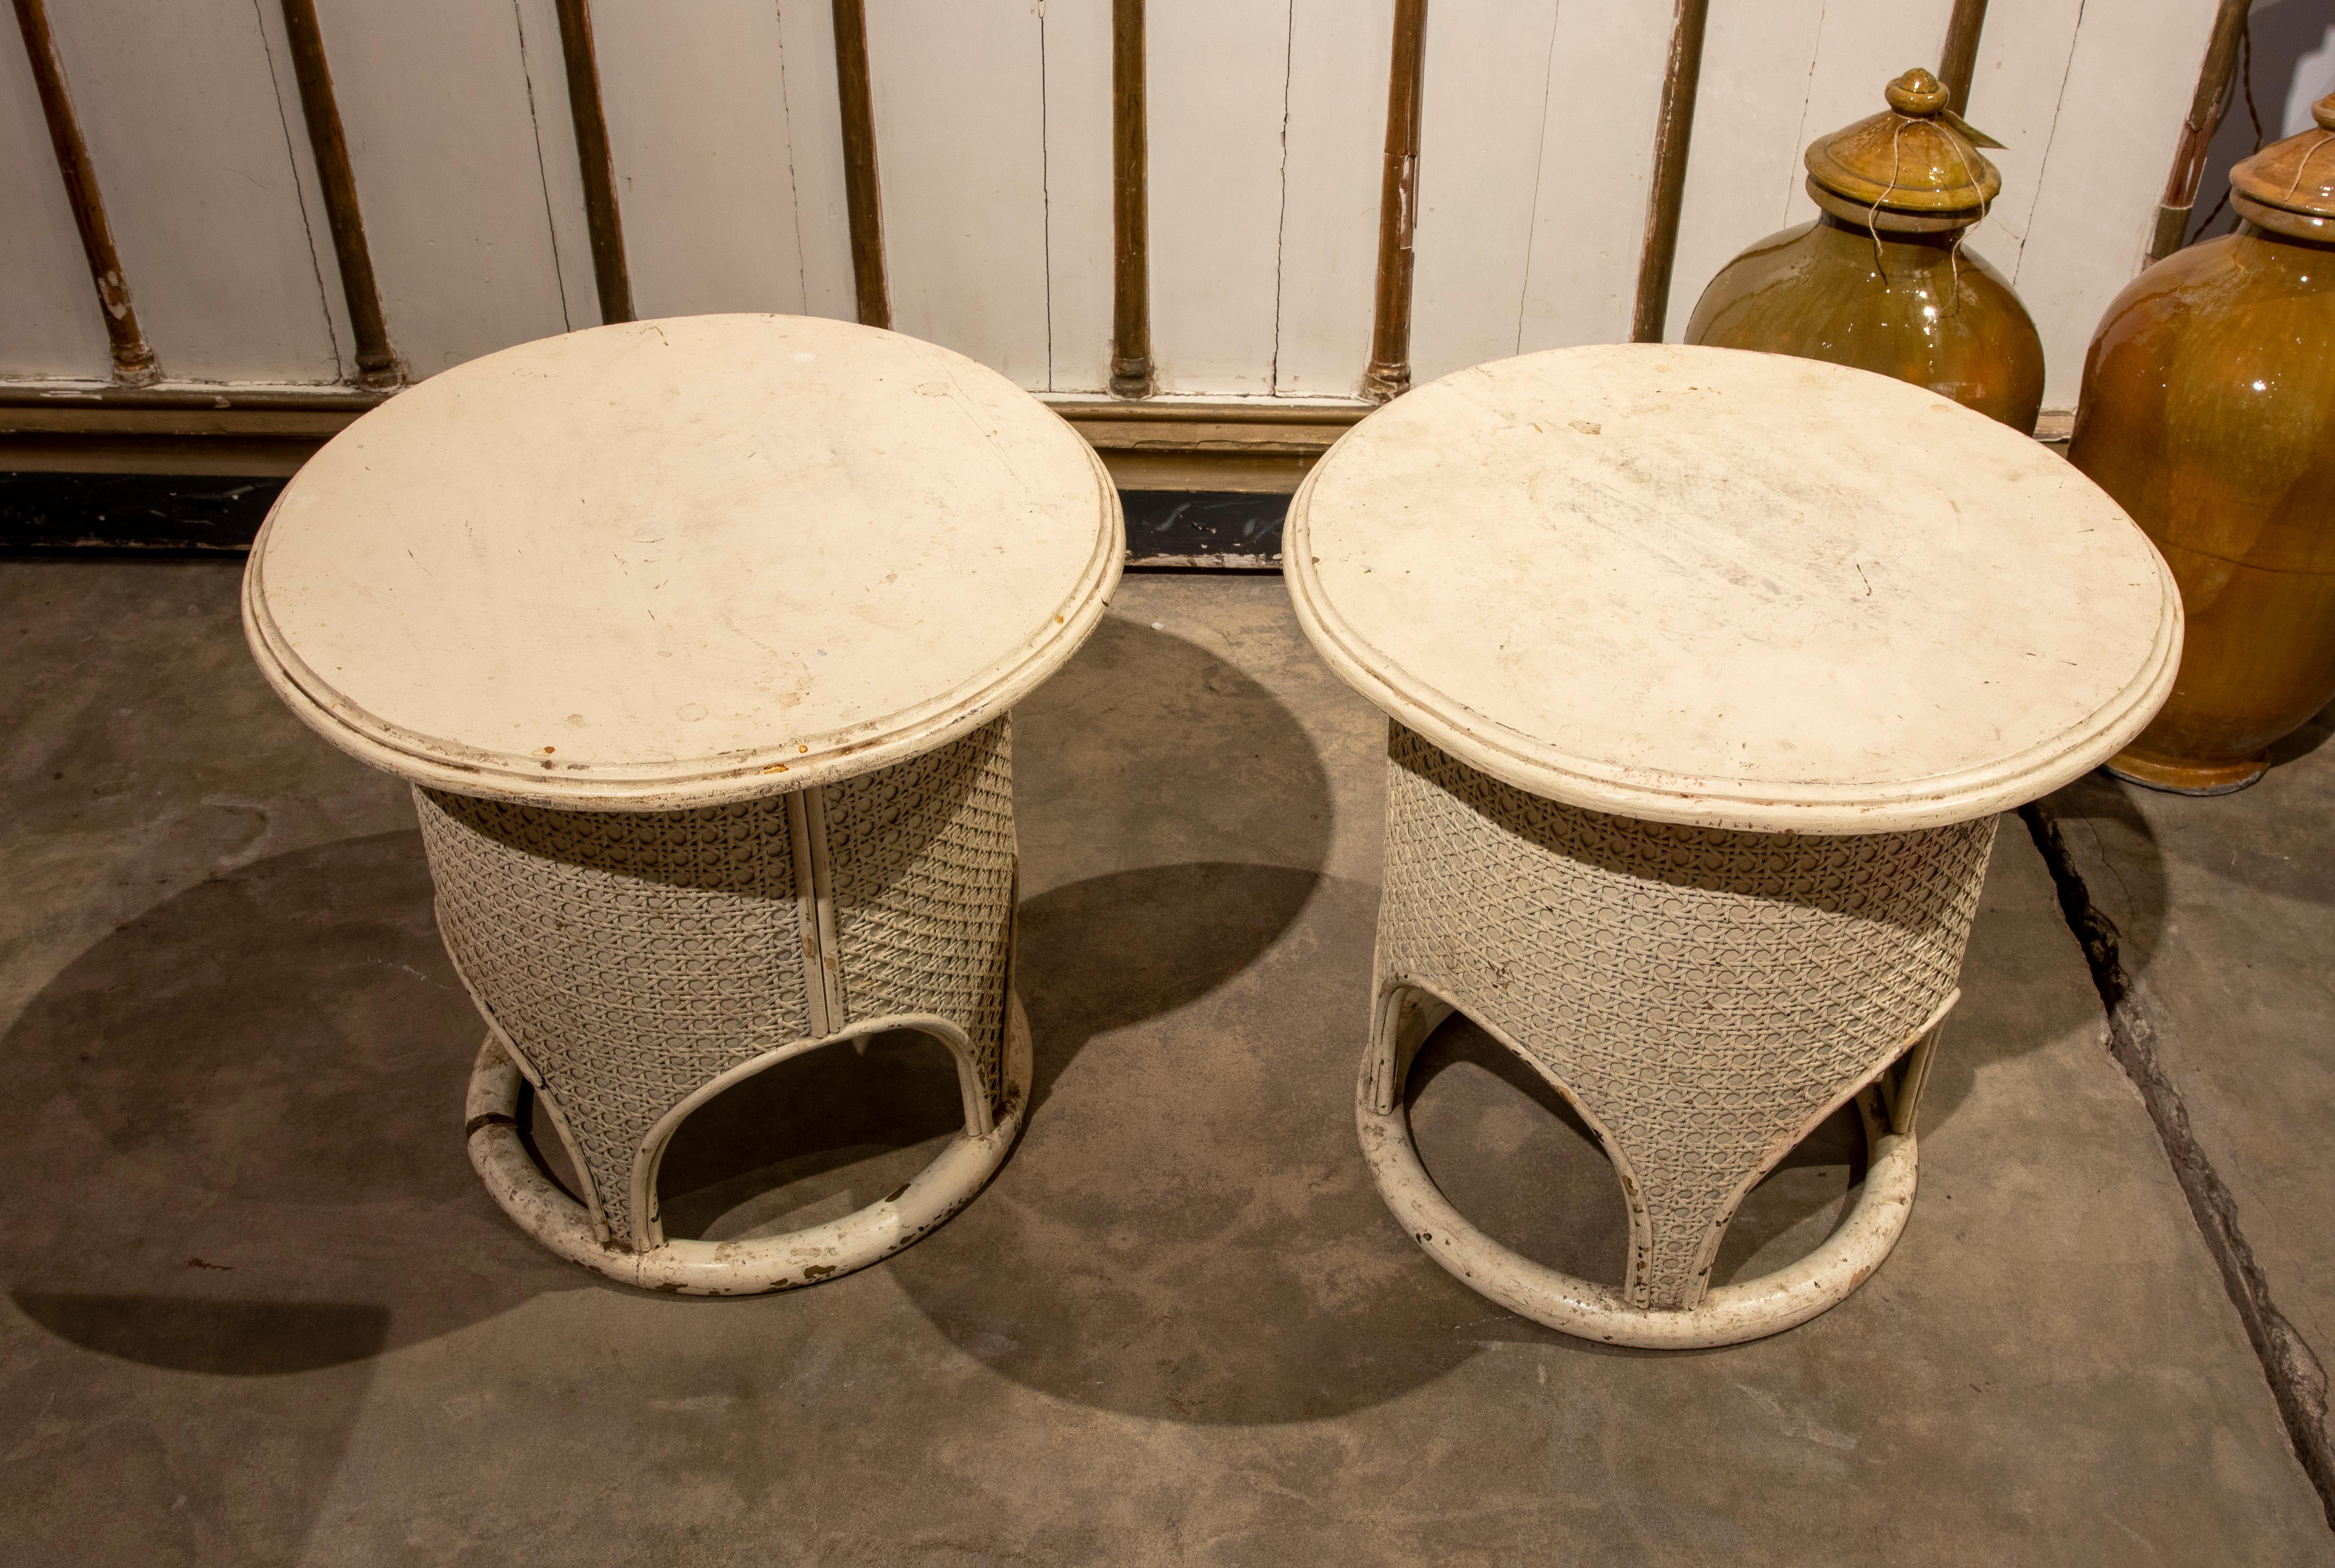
(1733, 589)
(676, 563)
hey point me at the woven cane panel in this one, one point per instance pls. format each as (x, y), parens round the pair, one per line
(631, 955)
(1703, 992)
(920, 859)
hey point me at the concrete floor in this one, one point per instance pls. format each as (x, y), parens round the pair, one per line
(259, 1310)
(2221, 912)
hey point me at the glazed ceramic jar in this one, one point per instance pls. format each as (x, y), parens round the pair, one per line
(1882, 280)
(2208, 411)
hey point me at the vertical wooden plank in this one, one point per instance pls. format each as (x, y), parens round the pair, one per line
(551, 126)
(960, 134)
(1674, 125)
(1130, 202)
(2129, 82)
(1339, 53)
(435, 97)
(179, 110)
(1605, 65)
(1388, 373)
(863, 202)
(53, 327)
(1080, 193)
(698, 130)
(815, 140)
(2015, 91)
(328, 148)
(2197, 130)
(133, 360)
(611, 273)
(1487, 105)
(1860, 50)
(1218, 96)
(1745, 166)
(1958, 59)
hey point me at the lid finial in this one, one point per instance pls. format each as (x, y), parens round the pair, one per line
(1917, 93)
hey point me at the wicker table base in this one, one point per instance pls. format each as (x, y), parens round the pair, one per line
(1703, 998)
(632, 965)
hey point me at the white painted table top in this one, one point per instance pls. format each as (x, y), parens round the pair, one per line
(1739, 590)
(675, 563)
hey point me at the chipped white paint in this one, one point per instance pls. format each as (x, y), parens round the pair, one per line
(1218, 81)
(1727, 1314)
(434, 100)
(2129, 82)
(53, 327)
(749, 1266)
(1328, 275)
(1736, 590)
(1485, 96)
(705, 559)
(2015, 91)
(708, 198)
(1743, 160)
(1079, 244)
(1266, 126)
(815, 144)
(1860, 49)
(1596, 160)
(961, 150)
(193, 153)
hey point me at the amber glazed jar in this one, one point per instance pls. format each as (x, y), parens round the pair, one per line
(2208, 411)
(1880, 280)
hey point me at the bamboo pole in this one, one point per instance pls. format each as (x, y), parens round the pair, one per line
(133, 359)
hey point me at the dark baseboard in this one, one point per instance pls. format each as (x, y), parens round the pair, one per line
(193, 515)
(1211, 530)
(143, 514)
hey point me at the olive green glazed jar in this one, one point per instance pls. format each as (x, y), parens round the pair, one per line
(2208, 411)
(1881, 280)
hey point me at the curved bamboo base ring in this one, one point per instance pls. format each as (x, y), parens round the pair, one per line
(1727, 1315)
(2188, 777)
(753, 1264)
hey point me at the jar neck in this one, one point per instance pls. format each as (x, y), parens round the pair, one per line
(2251, 230)
(1940, 240)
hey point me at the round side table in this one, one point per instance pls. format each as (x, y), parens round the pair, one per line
(1708, 674)
(696, 640)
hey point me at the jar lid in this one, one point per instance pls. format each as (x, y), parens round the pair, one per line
(1916, 166)
(2289, 187)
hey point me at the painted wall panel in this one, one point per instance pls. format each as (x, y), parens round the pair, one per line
(552, 130)
(2128, 85)
(2015, 93)
(814, 133)
(311, 185)
(1079, 245)
(193, 153)
(1219, 83)
(1596, 160)
(1860, 50)
(1339, 51)
(1481, 144)
(1744, 161)
(52, 323)
(960, 147)
(696, 97)
(434, 97)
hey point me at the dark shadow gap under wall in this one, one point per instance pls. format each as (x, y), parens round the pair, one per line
(205, 514)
